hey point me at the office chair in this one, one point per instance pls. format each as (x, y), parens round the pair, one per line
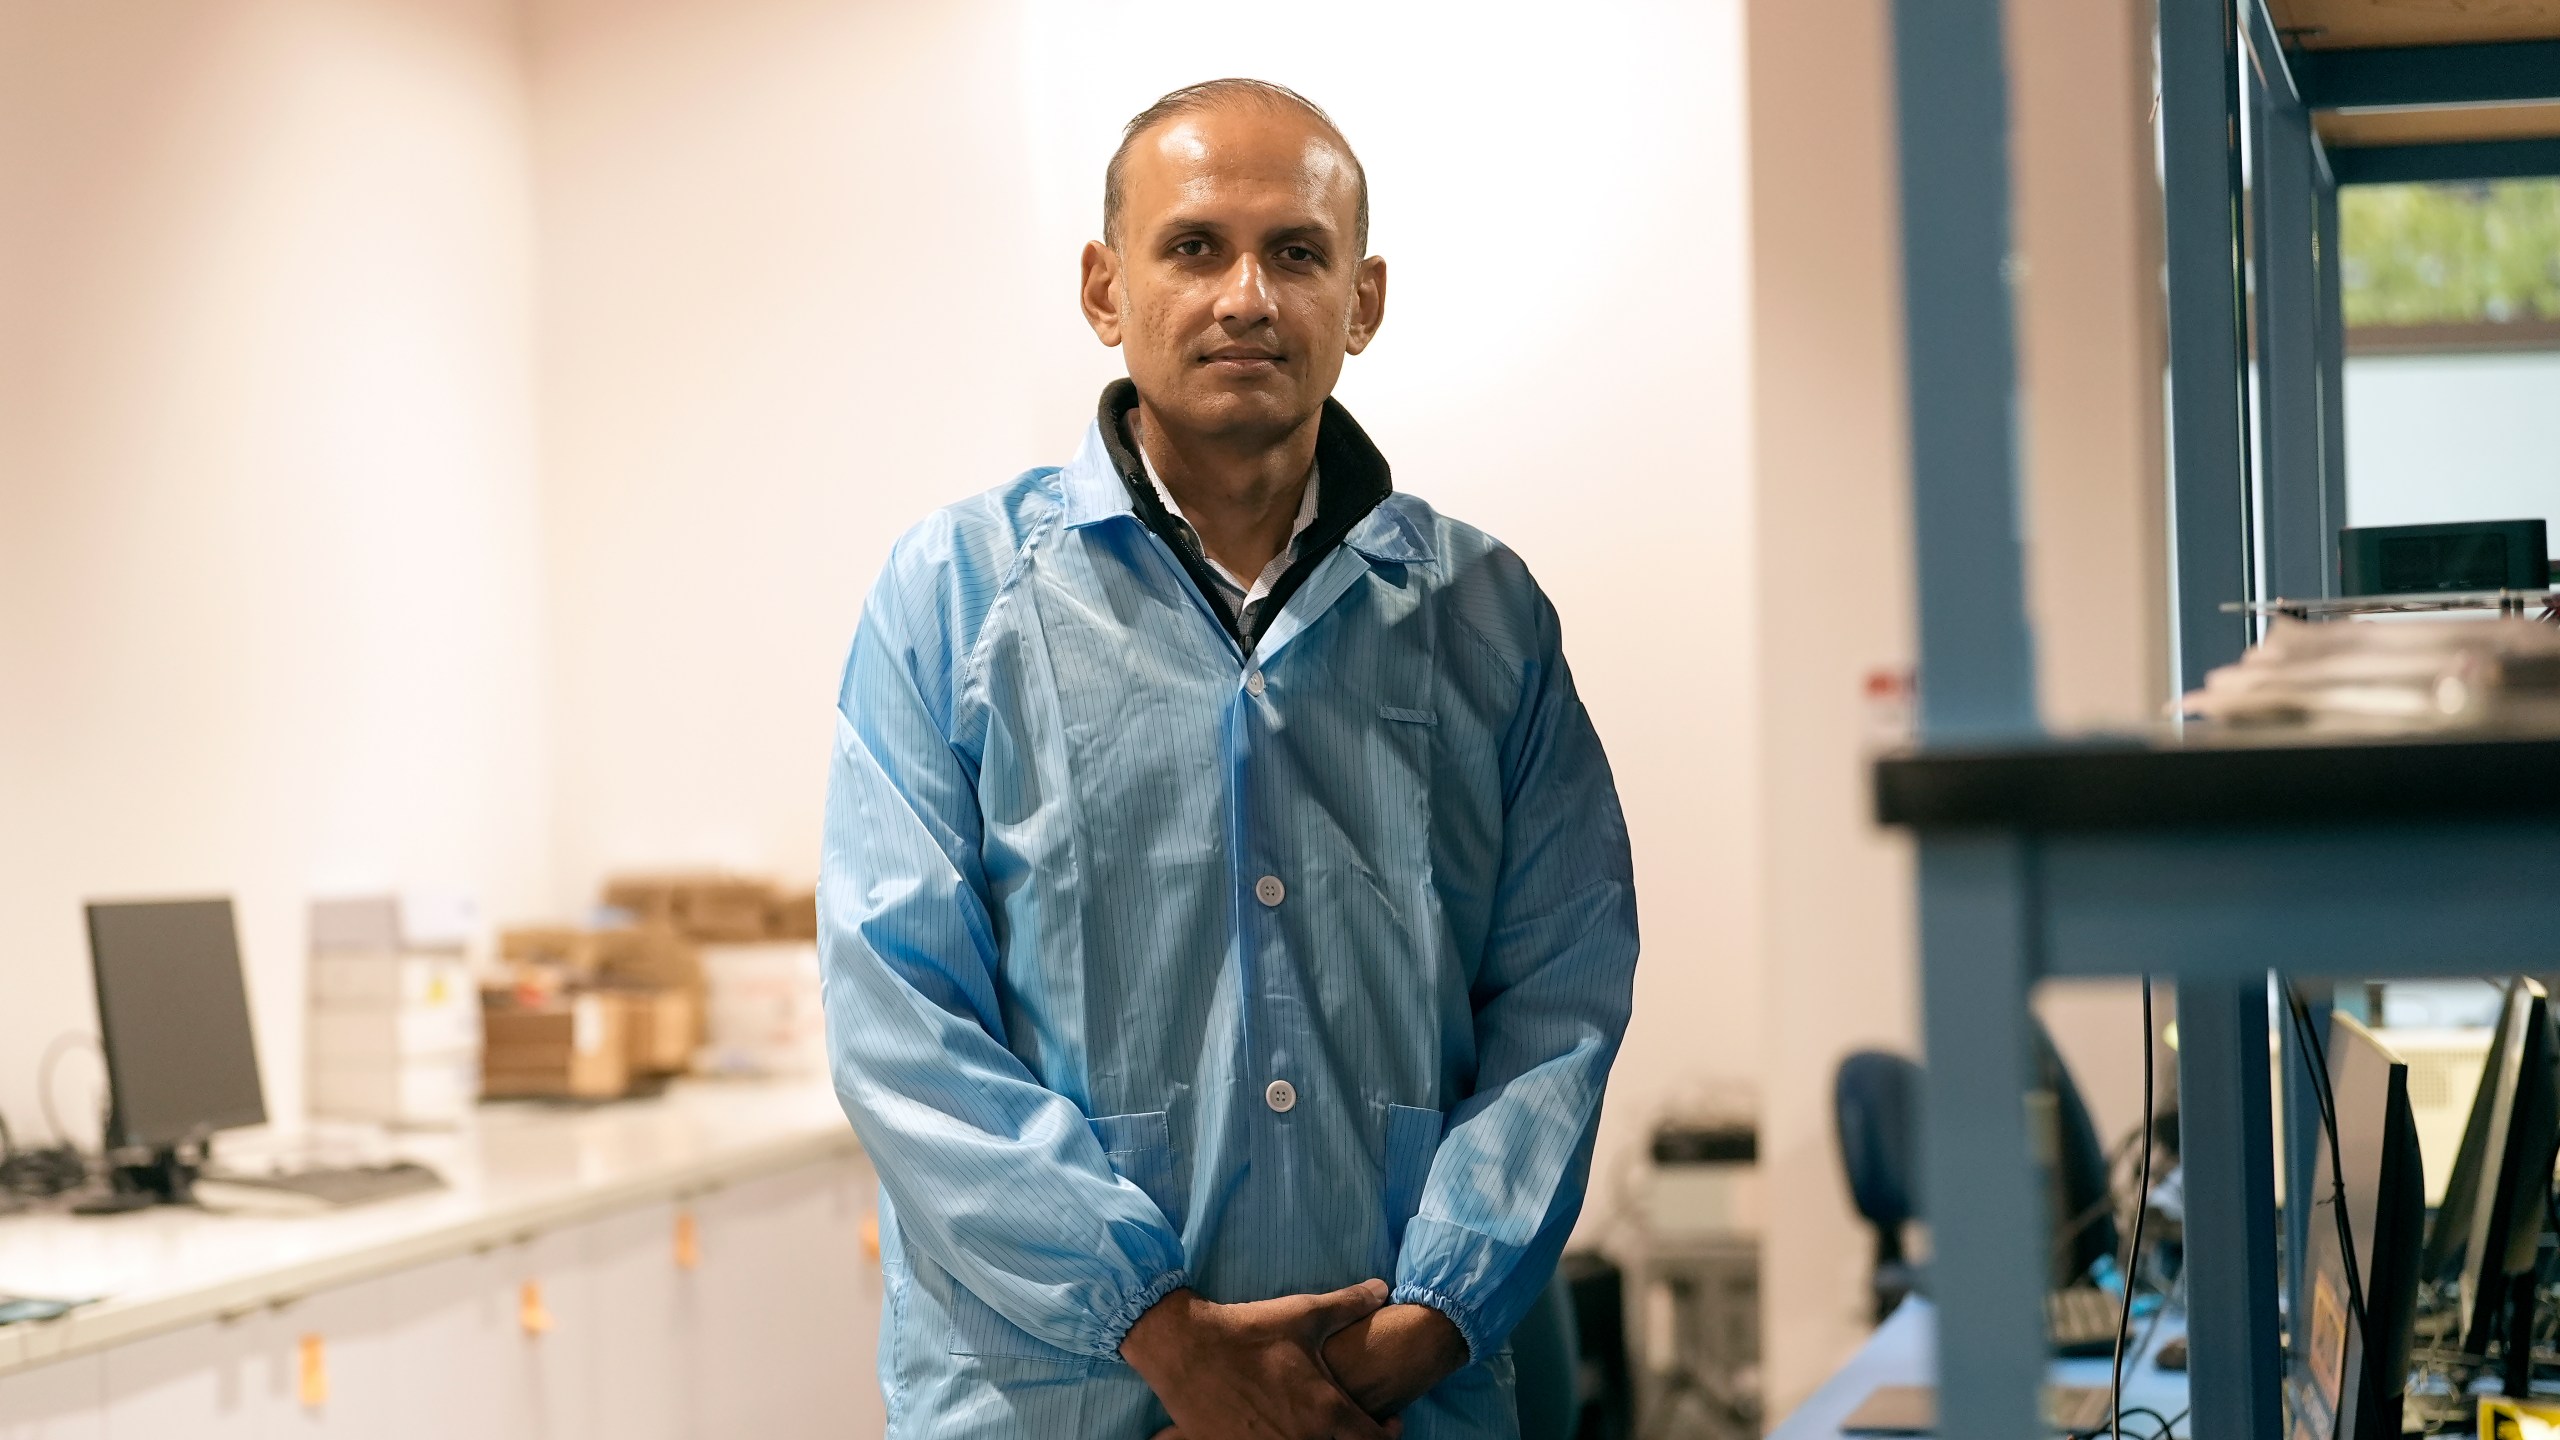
(1876, 1102)
(1548, 1365)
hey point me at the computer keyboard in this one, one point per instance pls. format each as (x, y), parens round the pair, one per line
(2081, 1321)
(336, 1188)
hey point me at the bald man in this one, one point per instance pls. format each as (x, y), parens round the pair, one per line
(1227, 913)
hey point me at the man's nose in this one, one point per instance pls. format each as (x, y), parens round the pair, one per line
(1245, 300)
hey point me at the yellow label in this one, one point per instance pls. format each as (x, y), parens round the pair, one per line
(530, 1311)
(2328, 1338)
(2505, 1419)
(688, 1241)
(315, 1372)
(436, 988)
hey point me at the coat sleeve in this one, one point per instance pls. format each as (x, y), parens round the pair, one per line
(994, 1177)
(1551, 1003)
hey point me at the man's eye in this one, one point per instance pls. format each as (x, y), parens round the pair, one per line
(1299, 255)
(1193, 248)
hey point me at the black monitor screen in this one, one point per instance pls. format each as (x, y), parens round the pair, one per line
(173, 1015)
(2349, 1377)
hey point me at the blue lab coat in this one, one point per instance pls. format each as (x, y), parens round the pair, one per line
(1150, 962)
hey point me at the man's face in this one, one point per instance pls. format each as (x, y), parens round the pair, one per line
(1236, 287)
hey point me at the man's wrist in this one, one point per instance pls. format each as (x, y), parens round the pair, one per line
(1157, 1332)
(1436, 1340)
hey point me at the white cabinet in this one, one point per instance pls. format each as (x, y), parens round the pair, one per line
(59, 1401)
(602, 1329)
(405, 1356)
(217, 1380)
(644, 1365)
(786, 1309)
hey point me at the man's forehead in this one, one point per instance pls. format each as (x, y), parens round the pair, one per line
(1216, 154)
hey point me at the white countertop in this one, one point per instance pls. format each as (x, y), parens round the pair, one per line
(514, 1172)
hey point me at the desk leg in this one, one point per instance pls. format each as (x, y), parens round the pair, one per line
(1982, 1198)
(2227, 1146)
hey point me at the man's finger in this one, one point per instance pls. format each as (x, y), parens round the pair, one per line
(1331, 1311)
(1170, 1432)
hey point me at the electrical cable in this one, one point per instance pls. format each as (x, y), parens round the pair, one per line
(45, 1068)
(2321, 1092)
(2068, 1233)
(2141, 1212)
(41, 1171)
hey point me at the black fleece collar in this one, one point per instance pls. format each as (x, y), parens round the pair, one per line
(1356, 478)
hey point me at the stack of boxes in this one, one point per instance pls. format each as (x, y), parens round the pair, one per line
(589, 1014)
(757, 967)
(709, 972)
(395, 1019)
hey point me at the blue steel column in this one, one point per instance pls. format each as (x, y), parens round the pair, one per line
(2224, 1145)
(2284, 255)
(2286, 229)
(2225, 1130)
(1977, 664)
(2333, 377)
(1986, 1271)
(1977, 679)
(2208, 484)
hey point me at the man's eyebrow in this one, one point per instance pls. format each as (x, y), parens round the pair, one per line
(1173, 225)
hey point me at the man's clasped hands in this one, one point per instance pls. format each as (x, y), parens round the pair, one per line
(1302, 1367)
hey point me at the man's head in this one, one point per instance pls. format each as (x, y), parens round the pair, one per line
(1233, 268)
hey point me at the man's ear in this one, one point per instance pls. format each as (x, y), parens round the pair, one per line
(1100, 292)
(1368, 303)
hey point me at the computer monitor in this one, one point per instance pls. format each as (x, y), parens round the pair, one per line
(2487, 1233)
(2349, 1378)
(2081, 1203)
(173, 1018)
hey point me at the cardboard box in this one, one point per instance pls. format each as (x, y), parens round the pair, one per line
(705, 906)
(569, 947)
(793, 916)
(662, 1026)
(652, 956)
(764, 1011)
(577, 1048)
(414, 921)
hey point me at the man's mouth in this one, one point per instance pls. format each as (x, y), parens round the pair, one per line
(1233, 359)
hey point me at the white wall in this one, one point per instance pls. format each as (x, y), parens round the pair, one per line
(808, 272)
(2434, 438)
(269, 600)
(1832, 481)
(1828, 441)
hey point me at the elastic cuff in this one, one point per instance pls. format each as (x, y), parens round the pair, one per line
(1460, 1314)
(1116, 1329)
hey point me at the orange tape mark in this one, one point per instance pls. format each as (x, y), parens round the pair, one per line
(315, 1372)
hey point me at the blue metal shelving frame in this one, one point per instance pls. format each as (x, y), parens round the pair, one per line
(2216, 910)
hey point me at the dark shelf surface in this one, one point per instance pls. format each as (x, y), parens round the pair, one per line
(2221, 781)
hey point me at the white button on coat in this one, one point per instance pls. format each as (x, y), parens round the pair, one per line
(1269, 890)
(1281, 1096)
(1253, 683)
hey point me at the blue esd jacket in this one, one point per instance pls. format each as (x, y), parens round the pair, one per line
(1094, 879)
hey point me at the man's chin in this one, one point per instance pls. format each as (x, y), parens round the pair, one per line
(1236, 407)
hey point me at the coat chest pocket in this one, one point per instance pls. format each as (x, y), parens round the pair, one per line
(1140, 1149)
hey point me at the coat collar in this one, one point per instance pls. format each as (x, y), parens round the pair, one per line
(1107, 480)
